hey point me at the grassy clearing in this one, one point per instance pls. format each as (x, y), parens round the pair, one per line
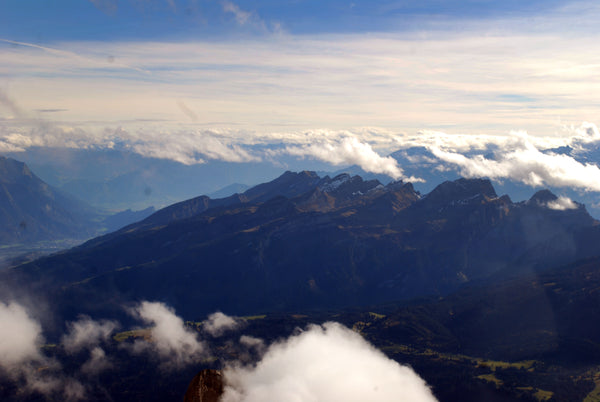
(494, 364)
(491, 378)
(255, 317)
(542, 395)
(136, 333)
(594, 396)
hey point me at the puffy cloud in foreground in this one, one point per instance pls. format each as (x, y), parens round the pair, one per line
(20, 336)
(218, 323)
(20, 357)
(87, 333)
(324, 363)
(174, 344)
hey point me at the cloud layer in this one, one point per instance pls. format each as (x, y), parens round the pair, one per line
(350, 151)
(519, 159)
(325, 363)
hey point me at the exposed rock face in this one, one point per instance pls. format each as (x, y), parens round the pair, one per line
(462, 190)
(207, 386)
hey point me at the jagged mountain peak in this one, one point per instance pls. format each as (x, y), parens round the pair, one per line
(345, 184)
(542, 197)
(289, 184)
(462, 189)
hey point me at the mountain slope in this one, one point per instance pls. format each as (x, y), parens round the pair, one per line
(550, 315)
(30, 210)
(342, 242)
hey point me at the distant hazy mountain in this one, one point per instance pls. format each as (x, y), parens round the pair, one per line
(31, 210)
(124, 218)
(302, 241)
(229, 190)
(118, 179)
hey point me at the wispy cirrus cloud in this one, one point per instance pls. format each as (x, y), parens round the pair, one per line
(490, 77)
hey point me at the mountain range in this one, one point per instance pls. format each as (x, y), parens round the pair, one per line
(303, 242)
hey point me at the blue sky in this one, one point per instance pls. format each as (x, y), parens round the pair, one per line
(339, 81)
(43, 22)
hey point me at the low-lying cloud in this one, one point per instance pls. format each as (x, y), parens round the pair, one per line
(174, 344)
(219, 323)
(562, 204)
(20, 336)
(21, 358)
(324, 363)
(87, 333)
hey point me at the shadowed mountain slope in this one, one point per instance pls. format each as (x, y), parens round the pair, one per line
(304, 242)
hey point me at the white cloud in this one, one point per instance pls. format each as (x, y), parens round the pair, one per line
(252, 342)
(20, 336)
(87, 334)
(562, 204)
(173, 343)
(97, 362)
(586, 132)
(219, 323)
(324, 363)
(21, 358)
(484, 77)
(520, 160)
(242, 17)
(347, 151)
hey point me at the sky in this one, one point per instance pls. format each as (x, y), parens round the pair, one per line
(243, 81)
(464, 67)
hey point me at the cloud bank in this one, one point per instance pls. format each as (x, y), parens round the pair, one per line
(350, 151)
(324, 363)
(522, 161)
